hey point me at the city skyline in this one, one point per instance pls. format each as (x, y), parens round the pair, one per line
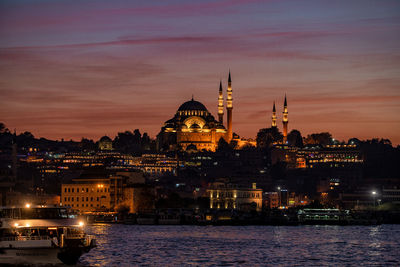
(70, 70)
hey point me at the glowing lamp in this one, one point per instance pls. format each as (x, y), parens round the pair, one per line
(27, 205)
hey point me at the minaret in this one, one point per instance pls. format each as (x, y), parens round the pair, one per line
(229, 107)
(273, 116)
(220, 104)
(285, 121)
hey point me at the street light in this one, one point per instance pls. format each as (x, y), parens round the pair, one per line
(279, 196)
(374, 195)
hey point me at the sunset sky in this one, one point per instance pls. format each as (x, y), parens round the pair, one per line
(73, 69)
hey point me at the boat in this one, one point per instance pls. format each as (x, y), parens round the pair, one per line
(323, 216)
(42, 235)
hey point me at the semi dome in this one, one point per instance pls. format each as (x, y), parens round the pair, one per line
(192, 105)
(195, 126)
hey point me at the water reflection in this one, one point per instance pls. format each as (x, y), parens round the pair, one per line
(247, 246)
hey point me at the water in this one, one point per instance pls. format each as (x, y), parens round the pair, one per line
(140, 245)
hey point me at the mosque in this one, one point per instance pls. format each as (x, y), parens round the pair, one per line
(193, 127)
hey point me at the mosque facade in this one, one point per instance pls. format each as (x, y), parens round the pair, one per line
(193, 127)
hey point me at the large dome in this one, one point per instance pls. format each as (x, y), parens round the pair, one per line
(192, 105)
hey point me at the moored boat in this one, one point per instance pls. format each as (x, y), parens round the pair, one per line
(323, 216)
(41, 235)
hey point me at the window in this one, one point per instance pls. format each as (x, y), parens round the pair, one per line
(69, 198)
(72, 190)
(87, 190)
(91, 198)
(69, 190)
(65, 199)
(72, 205)
(65, 190)
(77, 190)
(72, 199)
(97, 198)
(87, 205)
(83, 198)
(87, 198)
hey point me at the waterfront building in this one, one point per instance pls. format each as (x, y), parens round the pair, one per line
(390, 195)
(271, 200)
(87, 194)
(98, 190)
(231, 196)
(194, 128)
(139, 198)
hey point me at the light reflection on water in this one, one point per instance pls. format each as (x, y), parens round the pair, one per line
(130, 245)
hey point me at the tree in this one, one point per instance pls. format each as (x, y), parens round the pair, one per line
(267, 136)
(319, 139)
(295, 138)
(223, 145)
(87, 144)
(3, 128)
(127, 142)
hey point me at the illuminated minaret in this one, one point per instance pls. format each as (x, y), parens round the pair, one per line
(229, 107)
(285, 121)
(220, 104)
(273, 116)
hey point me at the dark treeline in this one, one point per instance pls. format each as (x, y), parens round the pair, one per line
(129, 142)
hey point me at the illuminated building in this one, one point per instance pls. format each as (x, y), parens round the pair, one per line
(194, 128)
(86, 194)
(333, 156)
(229, 196)
(105, 143)
(157, 164)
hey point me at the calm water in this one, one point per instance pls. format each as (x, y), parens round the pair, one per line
(133, 245)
